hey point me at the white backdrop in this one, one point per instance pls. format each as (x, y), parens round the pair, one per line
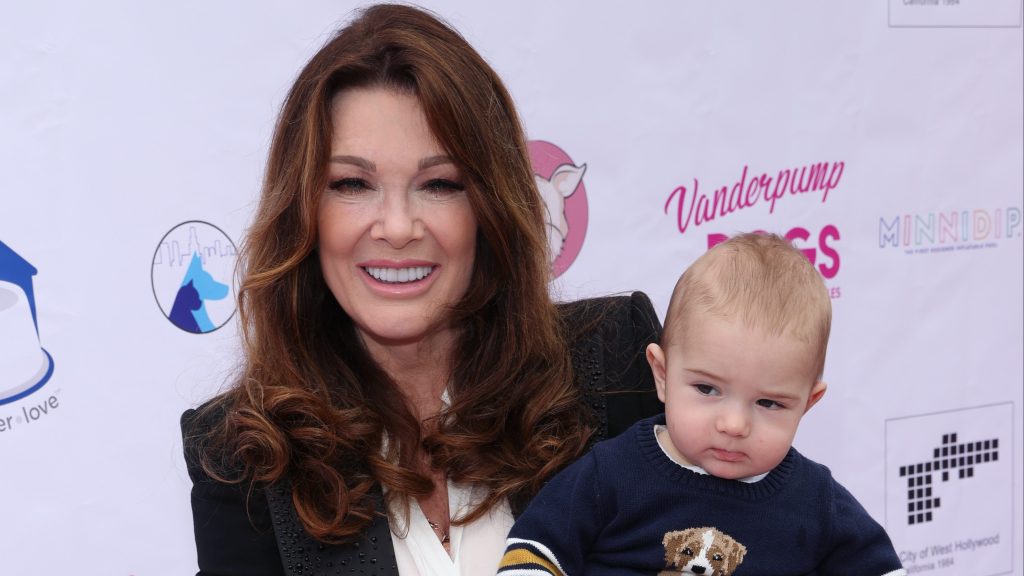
(134, 134)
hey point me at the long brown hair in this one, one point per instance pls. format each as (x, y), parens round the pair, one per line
(310, 403)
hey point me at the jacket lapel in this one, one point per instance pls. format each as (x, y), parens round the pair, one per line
(372, 554)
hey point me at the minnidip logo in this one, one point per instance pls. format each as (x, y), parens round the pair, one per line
(191, 273)
(951, 231)
(24, 364)
(560, 182)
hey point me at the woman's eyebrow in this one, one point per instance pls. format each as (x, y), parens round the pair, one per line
(369, 166)
(355, 161)
(431, 161)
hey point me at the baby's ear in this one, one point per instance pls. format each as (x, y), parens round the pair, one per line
(817, 391)
(656, 358)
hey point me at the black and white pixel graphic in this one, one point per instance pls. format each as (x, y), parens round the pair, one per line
(949, 490)
(950, 459)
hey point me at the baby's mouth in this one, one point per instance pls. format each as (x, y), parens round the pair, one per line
(727, 455)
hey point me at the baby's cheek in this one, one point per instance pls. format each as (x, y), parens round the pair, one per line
(777, 444)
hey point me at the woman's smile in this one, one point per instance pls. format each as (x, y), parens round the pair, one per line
(405, 279)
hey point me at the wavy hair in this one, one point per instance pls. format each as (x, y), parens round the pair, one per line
(310, 404)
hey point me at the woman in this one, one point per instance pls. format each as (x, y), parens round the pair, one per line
(407, 383)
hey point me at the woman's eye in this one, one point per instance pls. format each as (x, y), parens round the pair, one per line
(770, 404)
(706, 389)
(443, 186)
(349, 185)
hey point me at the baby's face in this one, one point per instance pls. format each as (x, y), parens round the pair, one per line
(733, 395)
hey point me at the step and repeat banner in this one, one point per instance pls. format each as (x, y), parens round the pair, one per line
(884, 137)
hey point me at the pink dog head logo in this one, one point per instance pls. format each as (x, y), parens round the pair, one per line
(560, 183)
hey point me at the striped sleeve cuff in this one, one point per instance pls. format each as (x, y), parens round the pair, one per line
(528, 558)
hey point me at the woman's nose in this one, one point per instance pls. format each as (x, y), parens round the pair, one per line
(398, 222)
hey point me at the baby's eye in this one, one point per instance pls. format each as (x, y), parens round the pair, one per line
(770, 404)
(443, 186)
(706, 389)
(349, 185)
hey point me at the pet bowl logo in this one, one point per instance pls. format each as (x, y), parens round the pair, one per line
(25, 366)
(560, 182)
(191, 273)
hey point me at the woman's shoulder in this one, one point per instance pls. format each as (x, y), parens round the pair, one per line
(206, 415)
(198, 427)
(608, 342)
(624, 319)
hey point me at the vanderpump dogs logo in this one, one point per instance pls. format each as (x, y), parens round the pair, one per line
(693, 208)
(949, 490)
(25, 366)
(560, 182)
(191, 274)
(950, 231)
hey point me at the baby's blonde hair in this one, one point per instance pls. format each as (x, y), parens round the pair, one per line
(763, 281)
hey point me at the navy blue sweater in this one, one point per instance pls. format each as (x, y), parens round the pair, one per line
(626, 508)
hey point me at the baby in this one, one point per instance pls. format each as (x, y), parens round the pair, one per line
(714, 486)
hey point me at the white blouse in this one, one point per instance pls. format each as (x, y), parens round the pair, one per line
(477, 547)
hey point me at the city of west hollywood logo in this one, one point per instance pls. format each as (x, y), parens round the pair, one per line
(949, 486)
(952, 457)
(192, 273)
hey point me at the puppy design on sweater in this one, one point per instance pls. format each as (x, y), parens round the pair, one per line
(706, 551)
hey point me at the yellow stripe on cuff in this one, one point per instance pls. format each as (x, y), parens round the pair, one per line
(521, 556)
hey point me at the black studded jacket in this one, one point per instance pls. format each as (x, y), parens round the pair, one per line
(259, 534)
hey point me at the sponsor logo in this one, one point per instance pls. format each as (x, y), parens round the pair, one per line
(560, 183)
(949, 482)
(694, 207)
(191, 275)
(25, 366)
(819, 248)
(953, 231)
(952, 456)
(955, 13)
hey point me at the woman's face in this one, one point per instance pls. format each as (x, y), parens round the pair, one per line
(397, 234)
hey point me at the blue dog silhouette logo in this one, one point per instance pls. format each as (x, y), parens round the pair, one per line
(189, 309)
(191, 273)
(24, 365)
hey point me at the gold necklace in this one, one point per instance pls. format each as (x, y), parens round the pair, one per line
(441, 534)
